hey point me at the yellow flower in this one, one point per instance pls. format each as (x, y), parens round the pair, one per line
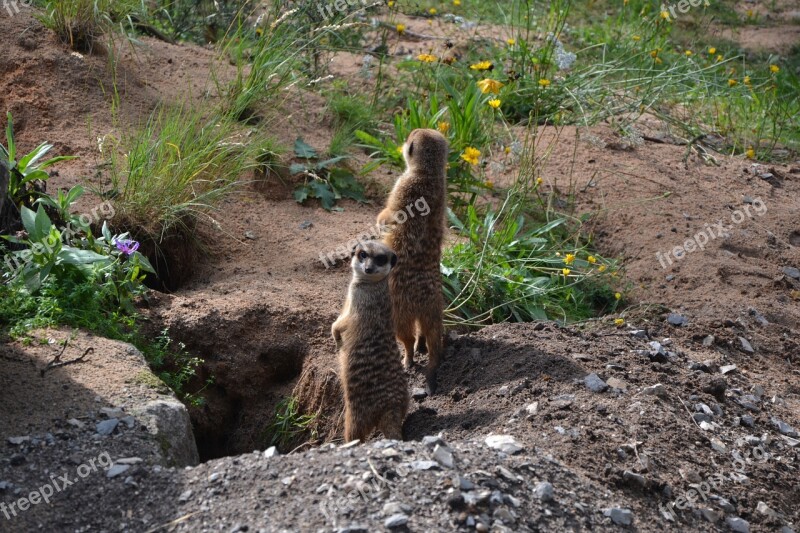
(747, 80)
(601, 268)
(658, 61)
(712, 51)
(750, 13)
(401, 28)
(507, 150)
(619, 321)
(488, 184)
(719, 58)
(732, 82)
(565, 271)
(569, 258)
(636, 38)
(539, 181)
(592, 259)
(456, 2)
(490, 86)
(432, 11)
(774, 69)
(399, 149)
(617, 295)
(511, 42)
(443, 127)
(688, 53)
(665, 15)
(483, 65)
(471, 155)
(259, 31)
(544, 83)
(426, 58)
(494, 104)
(390, 3)
(750, 153)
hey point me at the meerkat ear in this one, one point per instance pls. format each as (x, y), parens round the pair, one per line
(353, 251)
(411, 149)
(394, 259)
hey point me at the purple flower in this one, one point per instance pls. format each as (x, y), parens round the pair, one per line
(126, 246)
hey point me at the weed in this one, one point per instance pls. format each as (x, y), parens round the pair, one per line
(323, 180)
(81, 23)
(289, 425)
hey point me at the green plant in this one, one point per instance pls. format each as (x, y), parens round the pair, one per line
(289, 424)
(81, 23)
(323, 180)
(174, 365)
(24, 173)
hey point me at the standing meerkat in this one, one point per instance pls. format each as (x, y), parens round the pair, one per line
(416, 282)
(375, 386)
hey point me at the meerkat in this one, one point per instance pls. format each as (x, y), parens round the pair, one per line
(375, 386)
(416, 283)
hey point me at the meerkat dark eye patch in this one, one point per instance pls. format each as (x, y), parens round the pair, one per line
(381, 260)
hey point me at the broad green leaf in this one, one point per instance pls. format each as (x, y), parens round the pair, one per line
(76, 256)
(330, 162)
(106, 232)
(144, 263)
(28, 221)
(323, 192)
(34, 156)
(301, 194)
(297, 168)
(42, 225)
(304, 150)
(51, 162)
(34, 175)
(11, 149)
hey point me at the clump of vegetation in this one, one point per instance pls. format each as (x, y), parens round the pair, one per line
(324, 180)
(290, 425)
(82, 23)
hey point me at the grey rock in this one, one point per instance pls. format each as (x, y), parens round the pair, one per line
(306, 224)
(506, 474)
(443, 456)
(214, 477)
(465, 484)
(431, 441)
(562, 401)
(74, 422)
(354, 528)
(594, 383)
(784, 428)
(396, 520)
(107, 427)
(656, 390)
(617, 384)
(676, 320)
(621, 517)
(739, 525)
(711, 515)
(532, 408)
(503, 391)
(129, 421)
(787, 529)
(395, 508)
(168, 420)
(270, 452)
(250, 235)
(543, 491)
(185, 495)
(764, 509)
(700, 407)
(112, 412)
(128, 461)
(708, 340)
(792, 272)
(724, 504)
(116, 470)
(639, 333)
(504, 443)
(634, 478)
(748, 401)
(701, 417)
(718, 446)
(504, 515)
(747, 421)
(425, 465)
(727, 369)
(745, 345)
(16, 441)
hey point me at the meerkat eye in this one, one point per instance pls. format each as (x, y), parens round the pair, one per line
(380, 260)
(362, 255)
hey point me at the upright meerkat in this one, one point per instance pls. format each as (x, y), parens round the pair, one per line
(375, 386)
(416, 282)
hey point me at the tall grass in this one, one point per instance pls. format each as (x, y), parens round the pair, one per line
(82, 23)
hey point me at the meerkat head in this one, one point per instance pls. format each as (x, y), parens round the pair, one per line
(426, 151)
(372, 261)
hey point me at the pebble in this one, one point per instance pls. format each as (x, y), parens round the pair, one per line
(185, 495)
(747, 420)
(618, 384)
(739, 525)
(270, 452)
(504, 515)
(701, 417)
(506, 474)
(562, 401)
(107, 427)
(708, 340)
(711, 515)
(419, 394)
(116, 470)
(443, 456)
(16, 441)
(621, 517)
(112, 412)
(676, 320)
(718, 446)
(396, 508)
(213, 478)
(128, 461)
(764, 509)
(431, 441)
(784, 428)
(594, 383)
(656, 390)
(425, 465)
(634, 478)
(503, 391)
(746, 346)
(306, 224)
(396, 520)
(727, 369)
(504, 443)
(532, 408)
(74, 422)
(544, 491)
(792, 272)
(465, 484)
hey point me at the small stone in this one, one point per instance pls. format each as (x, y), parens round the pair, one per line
(112, 412)
(747, 421)
(745, 345)
(128, 461)
(784, 428)
(249, 235)
(107, 427)
(74, 422)
(185, 495)
(419, 394)
(16, 441)
(562, 401)
(718, 446)
(506, 474)
(532, 408)
(425, 465)
(676, 320)
(708, 340)
(270, 452)
(306, 224)
(396, 520)
(129, 421)
(503, 391)
(594, 383)
(617, 384)
(621, 517)
(792, 272)
(739, 525)
(711, 515)
(764, 509)
(727, 369)
(656, 390)
(504, 515)
(701, 417)
(543, 491)
(351, 444)
(214, 477)
(443, 456)
(116, 470)
(703, 408)
(634, 478)
(431, 441)
(465, 484)
(504, 443)
(393, 508)
(787, 529)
